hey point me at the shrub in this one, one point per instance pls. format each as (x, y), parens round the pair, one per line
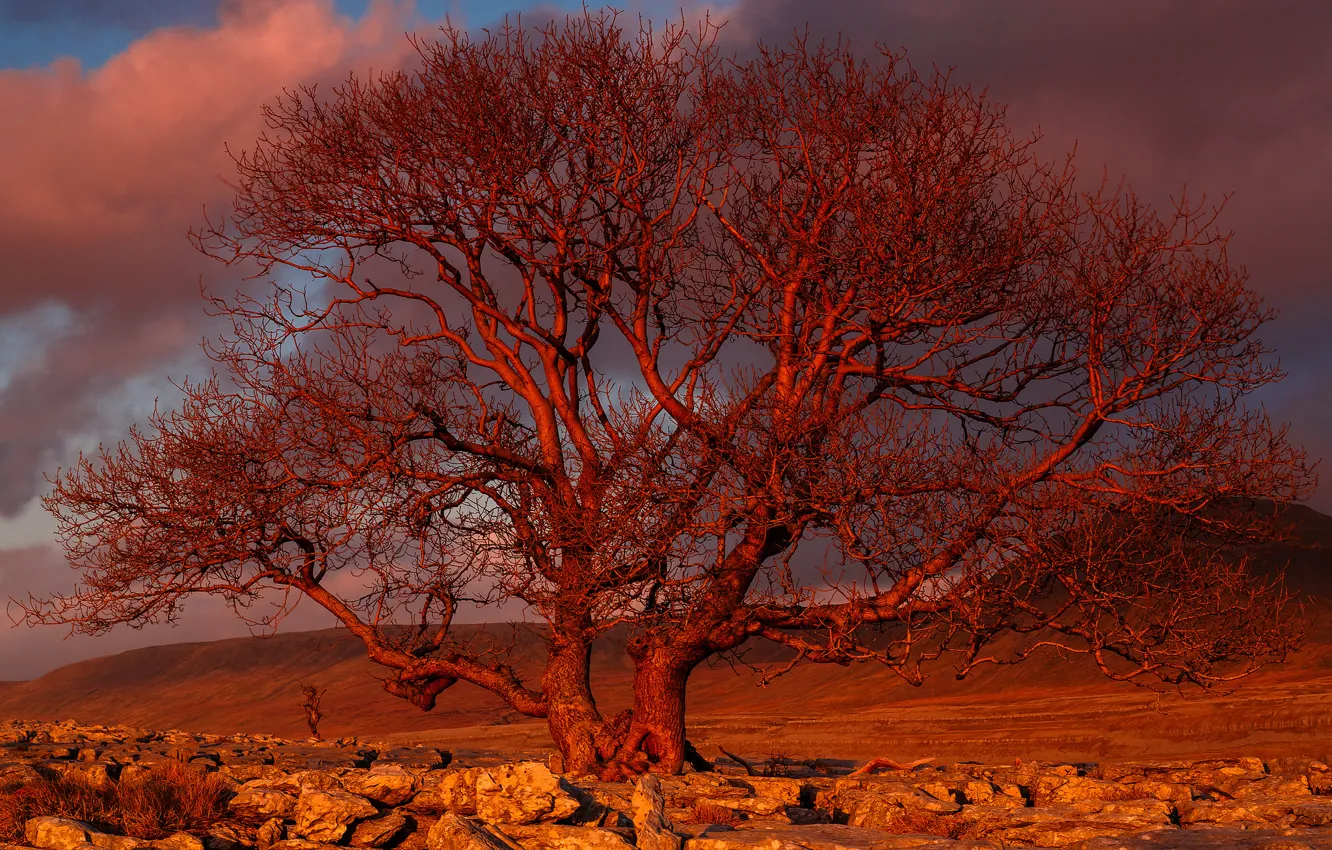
(171, 797)
(70, 798)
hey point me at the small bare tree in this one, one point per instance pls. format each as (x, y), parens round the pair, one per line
(807, 349)
(311, 695)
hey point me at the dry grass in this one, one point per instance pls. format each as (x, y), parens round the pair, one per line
(918, 822)
(706, 812)
(169, 798)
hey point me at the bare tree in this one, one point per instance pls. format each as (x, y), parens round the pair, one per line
(311, 696)
(807, 348)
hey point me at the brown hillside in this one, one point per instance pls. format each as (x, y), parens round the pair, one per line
(1047, 708)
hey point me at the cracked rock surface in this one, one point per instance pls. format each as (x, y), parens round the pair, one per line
(290, 795)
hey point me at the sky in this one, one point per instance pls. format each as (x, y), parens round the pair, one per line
(117, 113)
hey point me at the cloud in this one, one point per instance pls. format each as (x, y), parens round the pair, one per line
(102, 173)
(110, 170)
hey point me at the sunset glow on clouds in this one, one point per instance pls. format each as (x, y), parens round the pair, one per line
(111, 154)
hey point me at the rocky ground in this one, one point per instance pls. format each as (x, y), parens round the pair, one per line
(311, 796)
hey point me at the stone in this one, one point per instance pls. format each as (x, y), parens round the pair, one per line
(327, 815)
(526, 792)
(761, 806)
(1313, 813)
(388, 784)
(426, 758)
(1211, 839)
(52, 833)
(19, 774)
(978, 791)
(877, 807)
(448, 791)
(1055, 826)
(556, 836)
(1251, 810)
(222, 837)
(320, 780)
(824, 837)
(790, 792)
(95, 774)
(176, 841)
(270, 832)
(380, 832)
(455, 832)
(1275, 786)
(649, 813)
(260, 803)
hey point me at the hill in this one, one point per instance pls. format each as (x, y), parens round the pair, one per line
(1049, 707)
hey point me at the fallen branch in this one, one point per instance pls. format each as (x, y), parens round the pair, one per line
(883, 763)
(749, 768)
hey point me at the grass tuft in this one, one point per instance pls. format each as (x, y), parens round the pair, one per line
(706, 812)
(917, 822)
(169, 798)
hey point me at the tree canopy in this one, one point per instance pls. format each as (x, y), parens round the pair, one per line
(806, 347)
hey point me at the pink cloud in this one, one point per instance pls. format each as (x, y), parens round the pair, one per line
(106, 174)
(102, 173)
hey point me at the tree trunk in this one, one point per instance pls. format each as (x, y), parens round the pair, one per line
(655, 740)
(571, 711)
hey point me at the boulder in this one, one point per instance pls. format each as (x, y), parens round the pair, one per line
(651, 825)
(873, 803)
(1210, 839)
(790, 792)
(879, 806)
(388, 784)
(222, 837)
(1313, 813)
(760, 806)
(176, 841)
(381, 831)
(454, 832)
(1275, 786)
(824, 837)
(526, 792)
(1255, 810)
(425, 758)
(1055, 826)
(327, 815)
(447, 791)
(259, 803)
(114, 842)
(52, 833)
(558, 836)
(271, 832)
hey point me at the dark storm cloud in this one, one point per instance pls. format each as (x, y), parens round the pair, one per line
(1227, 97)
